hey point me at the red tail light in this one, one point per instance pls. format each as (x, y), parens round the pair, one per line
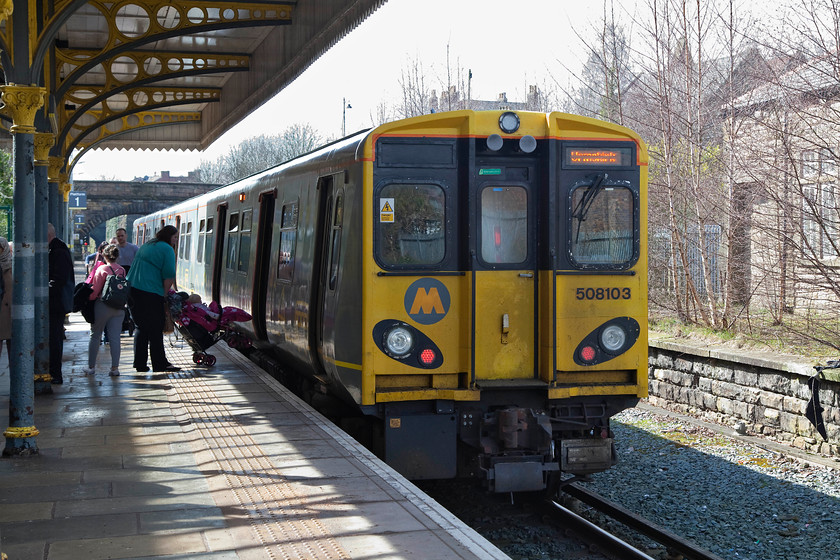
(427, 356)
(587, 353)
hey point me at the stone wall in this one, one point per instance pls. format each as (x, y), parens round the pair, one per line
(768, 392)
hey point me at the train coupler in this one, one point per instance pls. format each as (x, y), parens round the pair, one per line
(519, 474)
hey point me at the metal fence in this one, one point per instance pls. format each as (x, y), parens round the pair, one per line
(662, 262)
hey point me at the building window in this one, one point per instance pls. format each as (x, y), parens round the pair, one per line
(810, 164)
(821, 220)
(828, 165)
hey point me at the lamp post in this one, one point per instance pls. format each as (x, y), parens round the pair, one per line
(344, 107)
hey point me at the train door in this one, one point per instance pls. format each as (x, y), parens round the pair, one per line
(328, 246)
(505, 275)
(219, 251)
(262, 266)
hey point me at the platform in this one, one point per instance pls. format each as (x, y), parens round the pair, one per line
(215, 464)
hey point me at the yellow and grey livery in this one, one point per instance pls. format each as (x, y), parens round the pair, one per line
(477, 281)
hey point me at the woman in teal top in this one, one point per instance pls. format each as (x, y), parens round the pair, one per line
(151, 276)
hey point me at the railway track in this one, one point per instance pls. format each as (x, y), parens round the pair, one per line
(614, 546)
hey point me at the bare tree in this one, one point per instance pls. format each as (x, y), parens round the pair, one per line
(793, 120)
(260, 152)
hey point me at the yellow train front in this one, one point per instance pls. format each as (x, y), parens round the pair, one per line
(504, 293)
(476, 281)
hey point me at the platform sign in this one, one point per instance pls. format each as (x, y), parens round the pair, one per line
(77, 200)
(78, 220)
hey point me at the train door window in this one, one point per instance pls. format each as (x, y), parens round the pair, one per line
(233, 240)
(187, 242)
(288, 236)
(245, 240)
(602, 224)
(179, 227)
(208, 243)
(335, 244)
(504, 224)
(410, 225)
(181, 235)
(199, 252)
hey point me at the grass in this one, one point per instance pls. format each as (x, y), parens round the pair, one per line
(798, 335)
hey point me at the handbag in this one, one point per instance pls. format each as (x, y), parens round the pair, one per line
(88, 311)
(81, 295)
(115, 291)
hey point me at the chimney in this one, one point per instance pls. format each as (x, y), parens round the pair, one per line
(164, 176)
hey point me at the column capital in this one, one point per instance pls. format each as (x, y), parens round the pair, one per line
(65, 189)
(54, 170)
(43, 142)
(6, 9)
(23, 102)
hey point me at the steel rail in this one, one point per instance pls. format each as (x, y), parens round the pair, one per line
(608, 544)
(659, 534)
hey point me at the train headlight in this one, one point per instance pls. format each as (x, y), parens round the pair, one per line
(495, 142)
(399, 341)
(509, 122)
(613, 338)
(528, 144)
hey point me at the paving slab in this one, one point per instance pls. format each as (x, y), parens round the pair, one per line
(207, 464)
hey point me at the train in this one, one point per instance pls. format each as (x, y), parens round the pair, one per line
(474, 282)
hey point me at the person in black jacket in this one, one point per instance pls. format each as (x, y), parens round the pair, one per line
(61, 276)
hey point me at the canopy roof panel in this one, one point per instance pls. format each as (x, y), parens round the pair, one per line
(160, 74)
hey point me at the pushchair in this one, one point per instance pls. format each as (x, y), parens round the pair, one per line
(202, 326)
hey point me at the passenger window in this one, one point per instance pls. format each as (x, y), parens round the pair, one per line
(233, 240)
(288, 236)
(410, 225)
(245, 241)
(602, 224)
(504, 225)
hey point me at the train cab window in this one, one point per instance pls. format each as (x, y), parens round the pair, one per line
(245, 241)
(199, 253)
(504, 224)
(602, 224)
(233, 241)
(288, 236)
(208, 242)
(410, 225)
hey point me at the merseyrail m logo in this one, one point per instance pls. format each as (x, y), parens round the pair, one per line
(427, 301)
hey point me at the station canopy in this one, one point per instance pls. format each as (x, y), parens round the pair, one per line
(174, 74)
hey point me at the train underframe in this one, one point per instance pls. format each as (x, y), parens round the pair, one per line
(513, 448)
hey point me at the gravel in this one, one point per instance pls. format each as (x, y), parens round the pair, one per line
(739, 497)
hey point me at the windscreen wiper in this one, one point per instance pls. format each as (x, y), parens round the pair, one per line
(585, 203)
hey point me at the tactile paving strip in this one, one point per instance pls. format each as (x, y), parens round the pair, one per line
(278, 514)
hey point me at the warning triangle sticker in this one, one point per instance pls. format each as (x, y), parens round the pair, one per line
(386, 207)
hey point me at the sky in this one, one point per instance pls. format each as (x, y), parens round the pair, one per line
(507, 45)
